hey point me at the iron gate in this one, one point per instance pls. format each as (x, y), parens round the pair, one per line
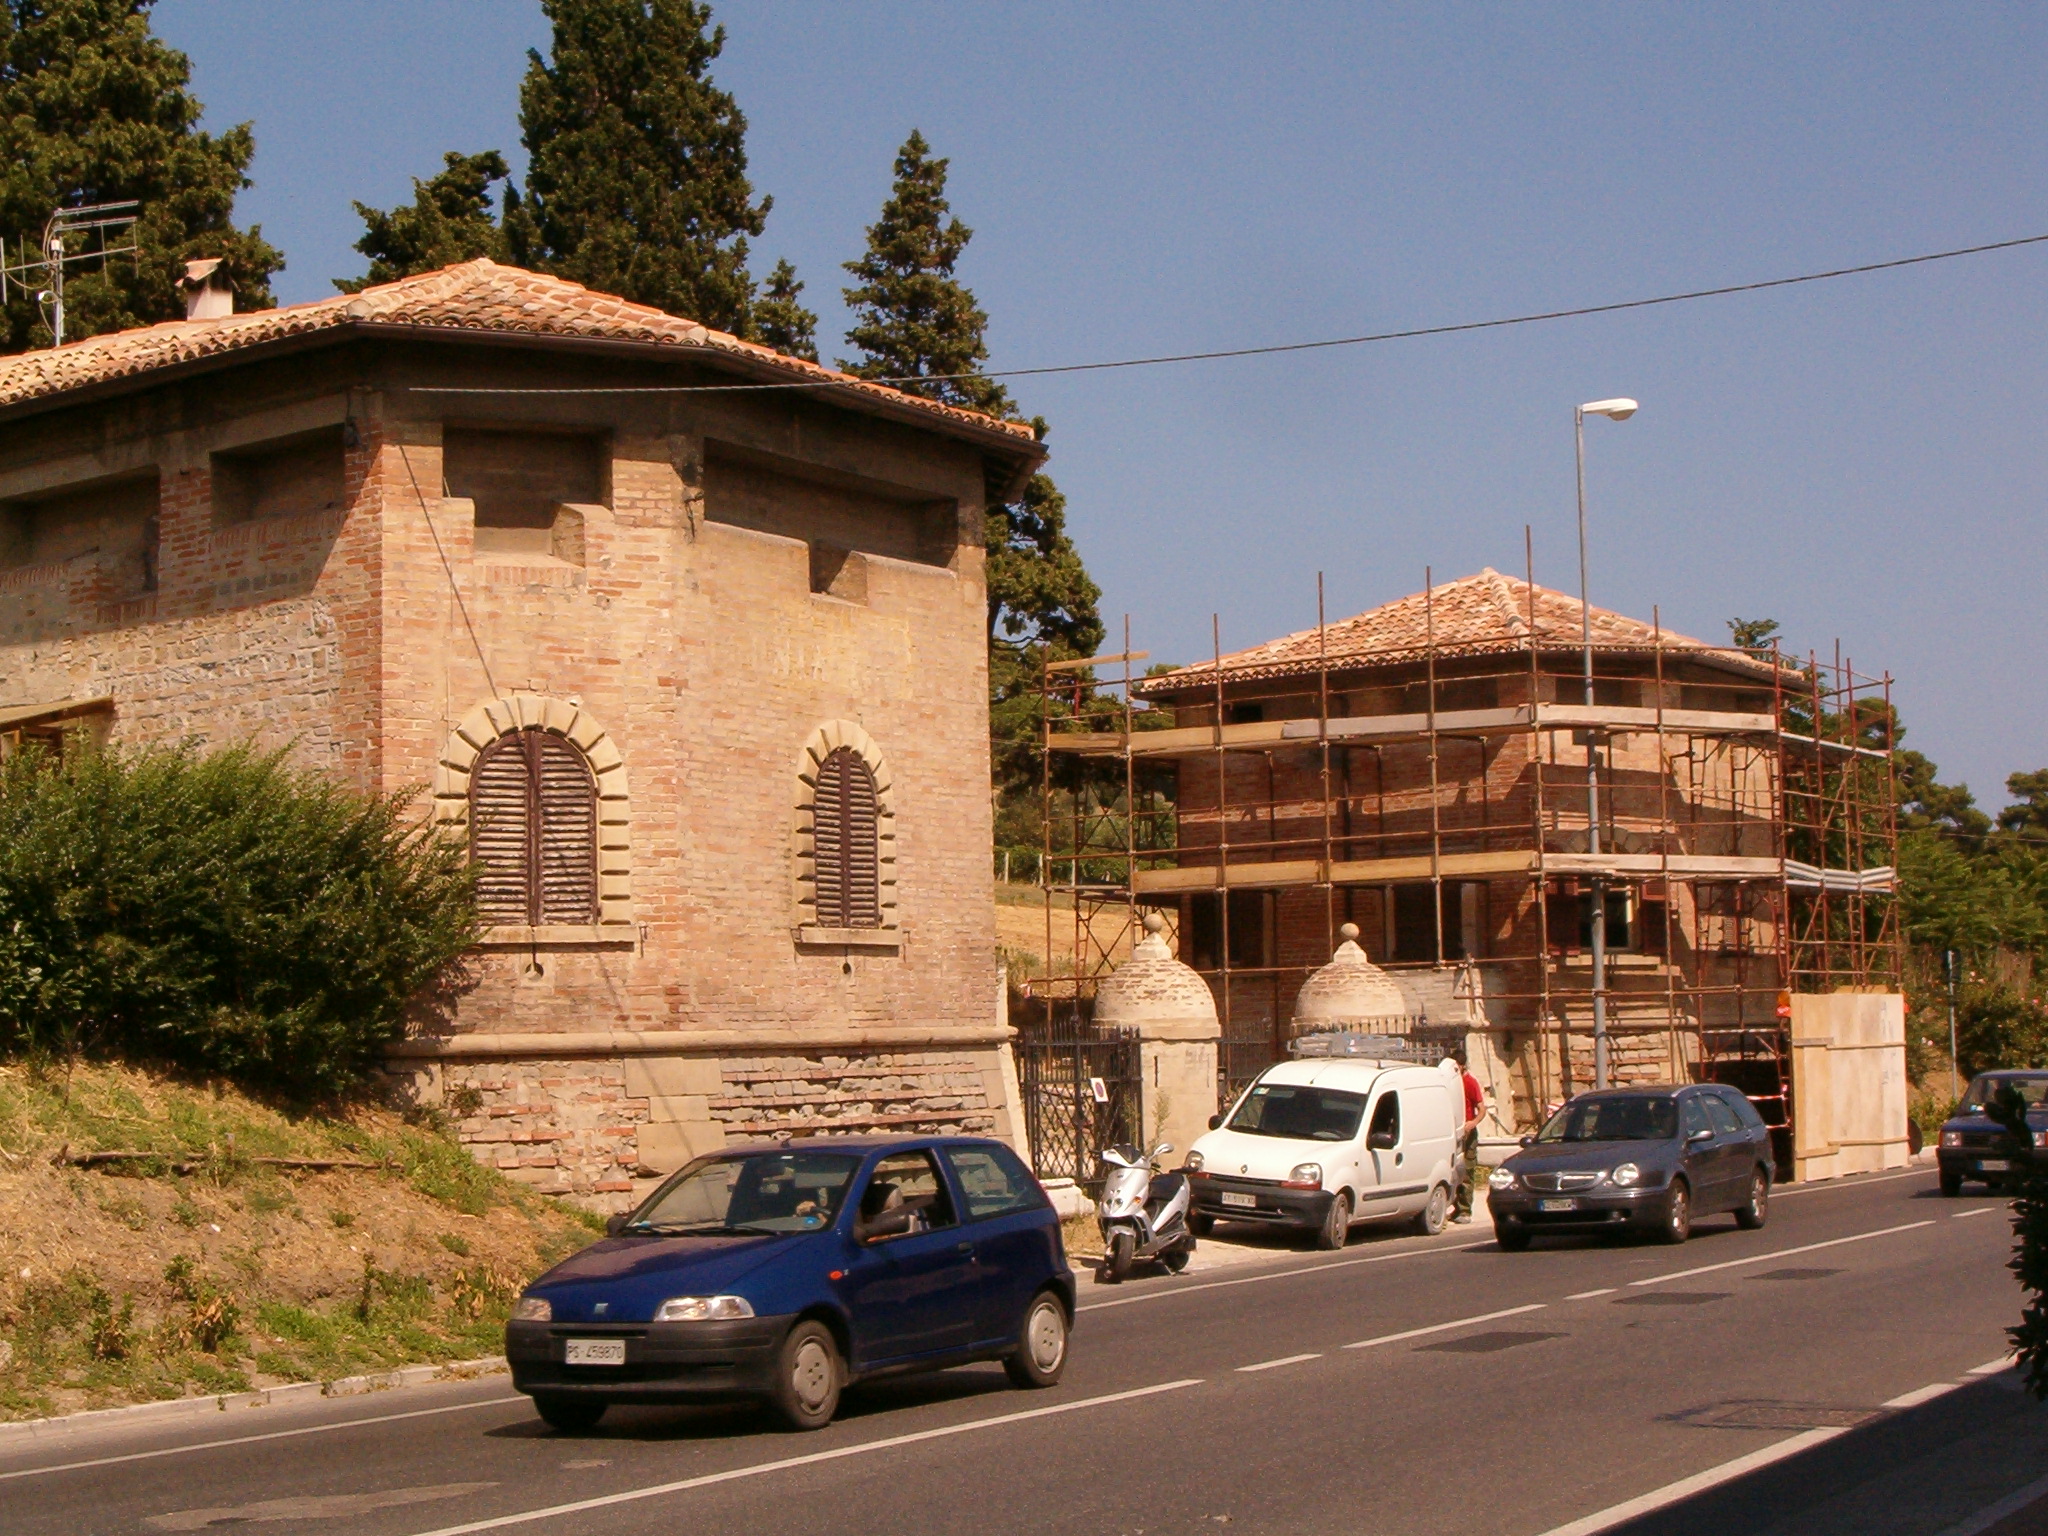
(1081, 1085)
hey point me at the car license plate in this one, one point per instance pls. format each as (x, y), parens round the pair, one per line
(1557, 1205)
(594, 1352)
(1993, 1165)
(1242, 1202)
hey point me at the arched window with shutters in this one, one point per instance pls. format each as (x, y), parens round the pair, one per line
(533, 830)
(846, 841)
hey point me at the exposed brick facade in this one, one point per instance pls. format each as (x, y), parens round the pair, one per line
(678, 610)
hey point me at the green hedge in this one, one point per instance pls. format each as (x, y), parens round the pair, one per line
(223, 911)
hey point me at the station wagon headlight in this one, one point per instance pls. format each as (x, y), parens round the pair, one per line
(1501, 1178)
(1194, 1162)
(703, 1309)
(1951, 1138)
(532, 1309)
(1626, 1174)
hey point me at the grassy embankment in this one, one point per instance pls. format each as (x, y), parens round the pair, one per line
(202, 1268)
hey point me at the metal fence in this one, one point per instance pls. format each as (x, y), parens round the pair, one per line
(1081, 1085)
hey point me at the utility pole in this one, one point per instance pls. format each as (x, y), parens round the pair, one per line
(1955, 1085)
(41, 273)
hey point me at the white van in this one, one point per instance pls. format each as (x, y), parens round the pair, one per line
(1324, 1144)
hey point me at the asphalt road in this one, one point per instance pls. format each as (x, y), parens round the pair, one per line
(1407, 1385)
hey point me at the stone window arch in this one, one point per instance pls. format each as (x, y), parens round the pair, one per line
(845, 838)
(537, 788)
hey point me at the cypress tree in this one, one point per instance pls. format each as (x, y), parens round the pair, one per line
(449, 221)
(780, 317)
(95, 108)
(637, 183)
(919, 326)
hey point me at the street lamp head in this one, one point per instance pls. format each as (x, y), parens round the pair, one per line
(1614, 410)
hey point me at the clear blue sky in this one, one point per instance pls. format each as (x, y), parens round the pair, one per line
(1862, 460)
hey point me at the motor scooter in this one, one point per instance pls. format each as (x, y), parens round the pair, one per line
(1143, 1213)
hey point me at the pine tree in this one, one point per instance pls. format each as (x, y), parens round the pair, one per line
(637, 183)
(916, 322)
(919, 326)
(449, 221)
(95, 108)
(780, 319)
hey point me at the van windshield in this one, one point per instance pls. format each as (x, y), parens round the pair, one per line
(1299, 1112)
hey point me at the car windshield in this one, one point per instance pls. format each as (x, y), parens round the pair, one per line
(1303, 1113)
(1594, 1118)
(750, 1192)
(1983, 1090)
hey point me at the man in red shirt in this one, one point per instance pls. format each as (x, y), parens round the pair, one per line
(1468, 1138)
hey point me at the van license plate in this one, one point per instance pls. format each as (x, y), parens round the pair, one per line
(1242, 1202)
(1557, 1205)
(1993, 1165)
(594, 1352)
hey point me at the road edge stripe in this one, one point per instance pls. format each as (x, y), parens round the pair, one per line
(1699, 1482)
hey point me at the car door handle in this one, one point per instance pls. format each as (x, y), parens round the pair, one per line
(963, 1247)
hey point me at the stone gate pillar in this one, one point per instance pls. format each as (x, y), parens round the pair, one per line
(1172, 1012)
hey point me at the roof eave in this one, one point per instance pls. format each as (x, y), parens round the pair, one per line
(1025, 454)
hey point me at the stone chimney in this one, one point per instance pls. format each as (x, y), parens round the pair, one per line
(208, 293)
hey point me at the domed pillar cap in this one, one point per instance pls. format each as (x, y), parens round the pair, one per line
(1348, 993)
(1154, 996)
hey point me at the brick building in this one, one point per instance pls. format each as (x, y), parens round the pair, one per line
(697, 667)
(1421, 771)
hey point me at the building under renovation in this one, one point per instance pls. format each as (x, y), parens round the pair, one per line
(1441, 773)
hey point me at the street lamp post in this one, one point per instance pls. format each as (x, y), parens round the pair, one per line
(1613, 410)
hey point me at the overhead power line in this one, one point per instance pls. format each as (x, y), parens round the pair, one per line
(1410, 334)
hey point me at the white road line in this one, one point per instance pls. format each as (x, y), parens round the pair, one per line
(1919, 1395)
(1832, 1186)
(1993, 1367)
(1783, 1253)
(1605, 1290)
(1699, 1482)
(2011, 1504)
(1982, 1210)
(1461, 1322)
(1280, 1274)
(275, 1434)
(763, 1468)
(1274, 1365)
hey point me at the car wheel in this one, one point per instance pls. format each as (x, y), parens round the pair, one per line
(1951, 1185)
(1513, 1239)
(807, 1376)
(570, 1415)
(1335, 1231)
(1041, 1352)
(1201, 1226)
(1430, 1220)
(1677, 1224)
(1756, 1210)
(1123, 1249)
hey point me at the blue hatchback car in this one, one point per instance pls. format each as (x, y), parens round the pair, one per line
(785, 1272)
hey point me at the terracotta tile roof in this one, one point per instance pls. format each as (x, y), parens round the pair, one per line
(1478, 615)
(475, 295)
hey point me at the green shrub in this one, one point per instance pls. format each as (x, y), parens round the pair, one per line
(1999, 1026)
(224, 912)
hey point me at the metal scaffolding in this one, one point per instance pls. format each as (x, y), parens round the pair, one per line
(1748, 827)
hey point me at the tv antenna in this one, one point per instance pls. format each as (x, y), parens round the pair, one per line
(91, 232)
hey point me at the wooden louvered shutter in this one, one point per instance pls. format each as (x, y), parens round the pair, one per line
(567, 803)
(501, 832)
(846, 843)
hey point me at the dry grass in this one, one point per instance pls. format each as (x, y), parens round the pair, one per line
(130, 1282)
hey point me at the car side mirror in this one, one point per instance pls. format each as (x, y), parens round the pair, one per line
(1697, 1137)
(614, 1225)
(889, 1224)
(1215, 1121)
(1528, 1141)
(1380, 1141)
